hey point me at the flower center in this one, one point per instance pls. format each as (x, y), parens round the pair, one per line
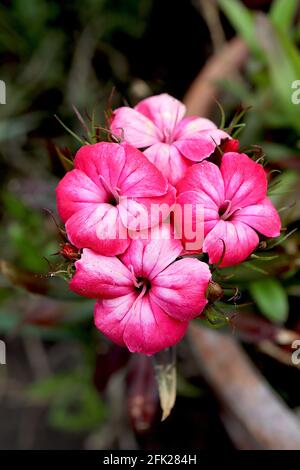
(168, 137)
(142, 284)
(113, 200)
(226, 210)
(113, 193)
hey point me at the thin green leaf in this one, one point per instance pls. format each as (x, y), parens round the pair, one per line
(282, 13)
(263, 258)
(242, 20)
(70, 131)
(223, 118)
(65, 161)
(255, 268)
(282, 239)
(284, 66)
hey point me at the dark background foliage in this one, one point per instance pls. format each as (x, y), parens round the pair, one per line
(64, 385)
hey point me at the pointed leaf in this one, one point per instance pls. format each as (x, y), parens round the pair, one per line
(282, 13)
(165, 372)
(271, 299)
(242, 20)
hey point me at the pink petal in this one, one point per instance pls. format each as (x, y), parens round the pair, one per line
(111, 316)
(77, 191)
(165, 111)
(194, 216)
(101, 160)
(205, 177)
(98, 227)
(168, 160)
(150, 330)
(143, 328)
(143, 212)
(139, 177)
(180, 289)
(191, 124)
(211, 210)
(100, 276)
(134, 216)
(152, 252)
(201, 145)
(245, 181)
(239, 239)
(136, 129)
(262, 217)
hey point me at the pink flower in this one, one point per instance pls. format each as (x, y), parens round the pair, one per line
(173, 142)
(235, 206)
(145, 299)
(112, 188)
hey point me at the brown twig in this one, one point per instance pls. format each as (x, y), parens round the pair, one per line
(210, 12)
(201, 96)
(276, 352)
(246, 396)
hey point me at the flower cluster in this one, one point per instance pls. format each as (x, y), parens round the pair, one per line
(116, 205)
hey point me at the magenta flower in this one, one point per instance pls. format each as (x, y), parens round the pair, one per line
(235, 206)
(111, 189)
(172, 142)
(145, 297)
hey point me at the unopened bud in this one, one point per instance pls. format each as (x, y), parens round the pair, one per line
(69, 251)
(214, 292)
(230, 145)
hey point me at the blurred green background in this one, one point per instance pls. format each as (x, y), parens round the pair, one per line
(64, 385)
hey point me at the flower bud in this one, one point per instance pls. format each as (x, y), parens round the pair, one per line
(142, 395)
(214, 292)
(230, 145)
(69, 251)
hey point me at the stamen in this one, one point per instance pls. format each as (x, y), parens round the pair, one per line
(226, 204)
(228, 211)
(114, 192)
(233, 211)
(141, 294)
(169, 126)
(143, 291)
(143, 283)
(134, 280)
(106, 185)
